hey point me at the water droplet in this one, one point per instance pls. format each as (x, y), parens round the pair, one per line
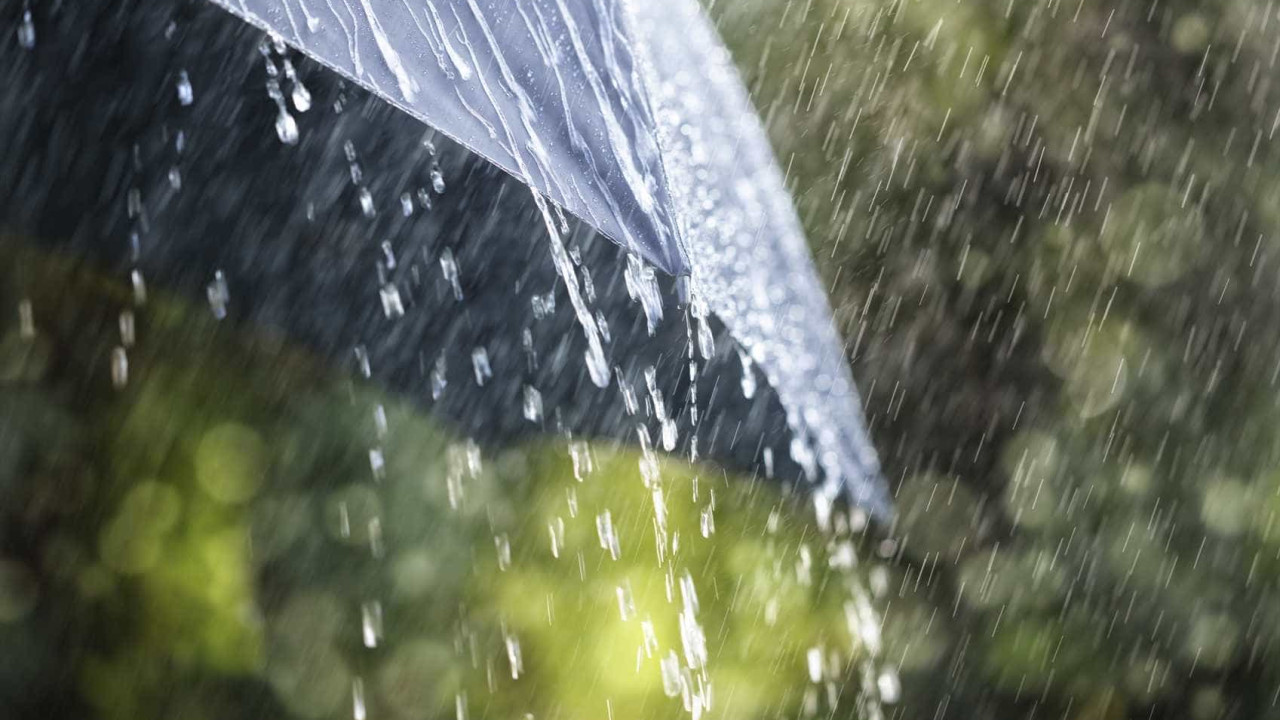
(358, 711)
(301, 97)
(543, 305)
(502, 544)
(598, 366)
(366, 203)
(437, 180)
(669, 435)
(218, 295)
(532, 404)
(376, 547)
(671, 680)
(642, 286)
(175, 178)
(406, 204)
(480, 364)
(439, 381)
(186, 95)
(707, 521)
(449, 266)
(286, 128)
(119, 367)
(626, 603)
(514, 656)
(392, 304)
(371, 623)
(814, 661)
(139, 287)
(556, 530)
(26, 319)
(580, 455)
(362, 362)
(706, 341)
(748, 375)
(602, 324)
(127, 332)
(608, 537)
(27, 31)
(629, 401)
(889, 686)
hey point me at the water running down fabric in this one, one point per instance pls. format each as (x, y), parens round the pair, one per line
(631, 116)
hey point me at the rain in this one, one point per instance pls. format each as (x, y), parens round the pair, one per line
(466, 359)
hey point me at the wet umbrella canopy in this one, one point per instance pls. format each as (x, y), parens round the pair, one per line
(602, 108)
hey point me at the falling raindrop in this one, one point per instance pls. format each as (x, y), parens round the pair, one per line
(556, 529)
(218, 295)
(439, 380)
(598, 367)
(26, 319)
(532, 404)
(358, 710)
(608, 536)
(127, 332)
(626, 602)
(449, 267)
(642, 286)
(890, 687)
(366, 203)
(515, 657)
(119, 367)
(480, 364)
(814, 661)
(186, 95)
(437, 180)
(362, 361)
(27, 31)
(371, 623)
(543, 305)
(672, 682)
(286, 127)
(707, 521)
(392, 304)
(301, 97)
(502, 544)
(139, 287)
(748, 375)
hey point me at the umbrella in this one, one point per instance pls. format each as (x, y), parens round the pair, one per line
(149, 128)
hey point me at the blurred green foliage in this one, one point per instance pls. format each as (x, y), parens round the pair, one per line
(1050, 231)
